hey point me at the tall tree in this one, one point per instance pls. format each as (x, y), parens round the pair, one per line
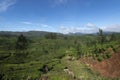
(113, 37)
(101, 37)
(21, 49)
(22, 43)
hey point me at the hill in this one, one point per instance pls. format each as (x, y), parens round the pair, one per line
(49, 57)
(27, 34)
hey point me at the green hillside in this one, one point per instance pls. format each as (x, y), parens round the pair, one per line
(35, 55)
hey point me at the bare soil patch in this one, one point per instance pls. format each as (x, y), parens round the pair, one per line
(107, 68)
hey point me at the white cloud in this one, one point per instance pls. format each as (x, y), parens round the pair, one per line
(44, 25)
(27, 23)
(112, 28)
(35, 24)
(5, 4)
(89, 28)
(67, 29)
(90, 25)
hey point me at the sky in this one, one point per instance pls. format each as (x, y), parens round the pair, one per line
(64, 16)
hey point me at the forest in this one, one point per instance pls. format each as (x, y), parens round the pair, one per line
(56, 56)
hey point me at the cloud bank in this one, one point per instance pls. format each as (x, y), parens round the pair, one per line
(112, 28)
(89, 28)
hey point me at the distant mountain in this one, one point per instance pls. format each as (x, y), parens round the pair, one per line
(108, 32)
(28, 34)
(105, 32)
(43, 33)
(75, 34)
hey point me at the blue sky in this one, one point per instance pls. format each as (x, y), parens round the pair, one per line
(60, 15)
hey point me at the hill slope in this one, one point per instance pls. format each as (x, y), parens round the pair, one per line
(107, 68)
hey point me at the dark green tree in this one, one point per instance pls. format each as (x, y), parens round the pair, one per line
(113, 37)
(22, 43)
(101, 36)
(51, 36)
(21, 49)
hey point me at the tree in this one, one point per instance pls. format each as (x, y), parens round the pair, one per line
(113, 37)
(101, 37)
(21, 49)
(22, 43)
(51, 36)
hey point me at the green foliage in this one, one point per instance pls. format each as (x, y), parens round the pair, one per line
(27, 57)
(100, 58)
(4, 55)
(108, 54)
(22, 43)
(101, 36)
(21, 49)
(51, 36)
(113, 37)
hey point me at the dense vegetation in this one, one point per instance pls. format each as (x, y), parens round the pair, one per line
(23, 57)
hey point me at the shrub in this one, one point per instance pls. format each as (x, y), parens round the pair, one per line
(108, 54)
(100, 58)
(1, 76)
(114, 49)
(104, 56)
